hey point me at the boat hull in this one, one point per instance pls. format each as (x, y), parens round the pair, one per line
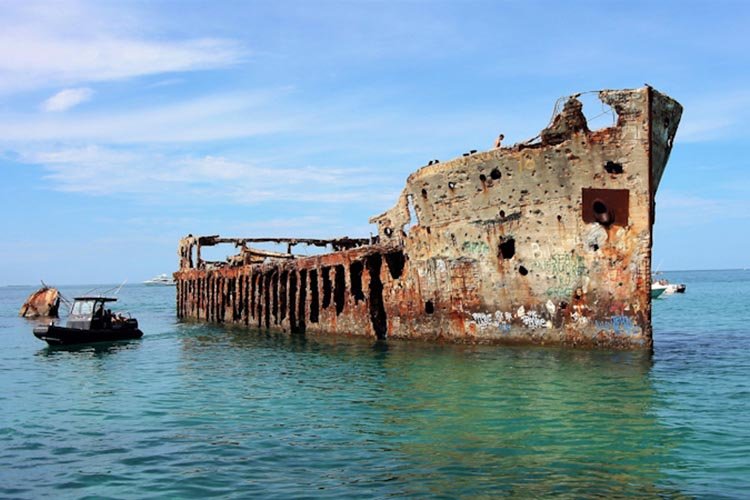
(59, 335)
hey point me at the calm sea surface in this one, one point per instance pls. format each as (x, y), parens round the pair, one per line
(198, 411)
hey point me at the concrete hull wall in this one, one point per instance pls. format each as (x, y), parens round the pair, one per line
(544, 243)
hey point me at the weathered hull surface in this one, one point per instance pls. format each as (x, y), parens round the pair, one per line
(546, 242)
(44, 302)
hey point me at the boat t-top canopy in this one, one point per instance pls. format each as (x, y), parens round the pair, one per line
(89, 298)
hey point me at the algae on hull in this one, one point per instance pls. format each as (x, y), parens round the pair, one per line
(544, 242)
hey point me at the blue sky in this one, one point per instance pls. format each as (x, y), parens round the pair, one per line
(126, 125)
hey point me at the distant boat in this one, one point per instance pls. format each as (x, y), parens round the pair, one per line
(675, 288)
(670, 288)
(162, 279)
(657, 289)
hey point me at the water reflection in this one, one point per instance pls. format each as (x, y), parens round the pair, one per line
(463, 420)
(96, 350)
(526, 421)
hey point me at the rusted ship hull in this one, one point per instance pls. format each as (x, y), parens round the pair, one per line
(545, 242)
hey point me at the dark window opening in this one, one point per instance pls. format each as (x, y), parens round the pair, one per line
(240, 297)
(259, 313)
(452, 185)
(482, 177)
(267, 297)
(613, 168)
(253, 285)
(275, 288)
(219, 301)
(395, 261)
(502, 213)
(282, 294)
(429, 307)
(339, 291)
(224, 300)
(222, 305)
(559, 218)
(507, 248)
(523, 271)
(424, 194)
(233, 292)
(355, 278)
(211, 299)
(293, 302)
(388, 231)
(327, 288)
(246, 299)
(314, 304)
(495, 174)
(377, 308)
(302, 301)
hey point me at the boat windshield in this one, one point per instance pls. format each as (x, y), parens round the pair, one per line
(83, 308)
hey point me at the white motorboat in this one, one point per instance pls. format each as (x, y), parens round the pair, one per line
(162, 279)
(657, 290)
(670, 288)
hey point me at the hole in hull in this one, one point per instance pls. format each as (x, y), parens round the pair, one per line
(355, 278)
(507, 248)
(293, 302)
(282, 293)
(395, 261)
(613, 167)
(314, 304)
(377, 308)
(302, 301)
(339, 292)
(327, 288)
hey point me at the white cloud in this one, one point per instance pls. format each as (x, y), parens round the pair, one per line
(95, 170)
(38, 60)
(66, 99)
(39, 47)
(674, 208)
(201, 119)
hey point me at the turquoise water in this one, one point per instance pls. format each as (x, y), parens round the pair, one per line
(197, 411)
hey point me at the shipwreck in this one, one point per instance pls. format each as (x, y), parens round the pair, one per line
(43, 303)
(543, 242)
